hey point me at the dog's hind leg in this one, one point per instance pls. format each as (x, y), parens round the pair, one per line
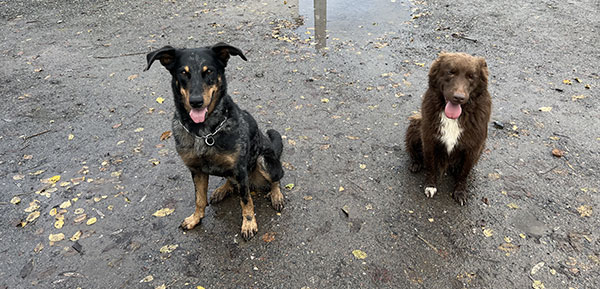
(221, 192)
(201, 186)
(413, 144)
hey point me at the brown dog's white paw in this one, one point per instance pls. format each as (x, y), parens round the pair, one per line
(430, 191)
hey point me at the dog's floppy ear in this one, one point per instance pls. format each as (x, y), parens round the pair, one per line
(483, 69)
(435, 69)
(166, 55)
(224, 50)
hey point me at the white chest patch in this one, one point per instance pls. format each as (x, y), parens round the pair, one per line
(450, 131)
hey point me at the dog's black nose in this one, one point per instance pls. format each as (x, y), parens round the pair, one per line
(458, 98)
(196, 102)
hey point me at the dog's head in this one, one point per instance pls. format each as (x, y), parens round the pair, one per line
(198, 76)
(458, 77)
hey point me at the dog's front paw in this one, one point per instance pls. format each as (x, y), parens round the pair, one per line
(460, 196)
(430, 191)
(249, 227)
(277, 200)
(191, 222)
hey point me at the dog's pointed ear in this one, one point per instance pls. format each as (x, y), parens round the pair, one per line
(224, 51)
(166, 55)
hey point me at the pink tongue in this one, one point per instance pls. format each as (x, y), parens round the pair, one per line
(198, 115)
(452, 110)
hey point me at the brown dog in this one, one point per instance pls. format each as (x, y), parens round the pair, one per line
(452, 128)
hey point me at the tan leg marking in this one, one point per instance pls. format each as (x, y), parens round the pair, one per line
(221, 192)
(276, 197)
(249, 226)
(201, 185)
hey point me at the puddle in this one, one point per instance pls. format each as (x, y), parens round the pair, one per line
(323, 20)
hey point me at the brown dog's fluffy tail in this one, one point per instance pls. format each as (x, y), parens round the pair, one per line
(413, 143)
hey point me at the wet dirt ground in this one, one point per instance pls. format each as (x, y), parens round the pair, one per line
(339, 84)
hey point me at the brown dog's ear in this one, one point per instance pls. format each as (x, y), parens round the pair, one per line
(483, 69)
(166, 55)
(435, 69)
(224, 50)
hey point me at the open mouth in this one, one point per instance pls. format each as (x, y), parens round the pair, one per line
(452, 110)
(198, 115)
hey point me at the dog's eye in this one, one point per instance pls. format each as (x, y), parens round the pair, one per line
(470, 76)
(185, 73)
(451, 72)
(208, 71)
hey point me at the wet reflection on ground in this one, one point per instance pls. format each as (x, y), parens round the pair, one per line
(320, 20)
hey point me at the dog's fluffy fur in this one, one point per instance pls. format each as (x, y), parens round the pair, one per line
(452, 127)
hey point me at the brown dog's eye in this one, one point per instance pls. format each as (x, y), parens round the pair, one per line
(451, 72)
(470, 76)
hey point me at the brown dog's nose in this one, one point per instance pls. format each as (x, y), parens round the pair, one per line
(458, 98)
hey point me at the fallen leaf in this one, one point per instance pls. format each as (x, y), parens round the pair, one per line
(289, 186)
(545, 108)
(76, 236)
(362, 166)
(65, 204)
(168, 248)
(268, 237)
(567, 81)
(359, 254)
(33, 205)
(522, 236)
(79, 211)
(558, 153)
(51, 180)
(91, 221)
(308, 198)
(163, 286)
(341, 189)
(165, 135)
(18, 177)
(163, 212)
(132, 77)
(147, 279)
(160, 100)
(488, 232)
(56, 237)
(537, 284)
(508, 247)
(576, 97)
(59, 223)
(585, 210)
(27, 157)
(39, 247)
(117, 125)
(324, 100)
(71, 136)
(32, 216)
(15, 200)
(139, 129)
(80, 218)
(537, 268)
(512, 206)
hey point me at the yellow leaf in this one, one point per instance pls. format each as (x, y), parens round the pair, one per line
(537, 284)
(56, 237)
(545, 108)
(168, 248)
(65, 204)
(522, 236)
(289, 186)
(308, 198)
(324, 100)
(80, 218)
(139, 129)
(91, 221)
(359, 254)
(585, 210)
(18, 177)
(576, 97)
(53, 212)
(163, 286)
(59, 224)
(160, 100)
(163, 212)
(32, 216)
(15, 200)
(512, 206)
(71, 136)
(79, 211)
(488, 232)
(64, 184)
(33, 205)
(362, 166)
(341, 189)
(76, 236)
(567, 81)
(199, 287)
(132, 77)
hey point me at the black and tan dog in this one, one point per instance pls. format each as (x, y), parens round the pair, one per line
(213, 136)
